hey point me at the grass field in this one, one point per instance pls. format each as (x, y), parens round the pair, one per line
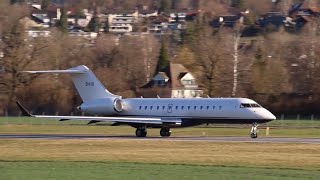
(139, 159)
(142, 171)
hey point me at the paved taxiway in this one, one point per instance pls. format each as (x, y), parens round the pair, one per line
(206, 139)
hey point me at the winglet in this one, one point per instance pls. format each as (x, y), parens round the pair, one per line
(23, 110)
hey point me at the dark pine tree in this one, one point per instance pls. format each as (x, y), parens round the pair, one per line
(164, 6)
(163, 60)
(237, 3)
(93, 25)
(16, 1)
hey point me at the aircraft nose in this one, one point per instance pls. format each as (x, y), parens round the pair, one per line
(268, 115)
(265, 114)
(271, 116)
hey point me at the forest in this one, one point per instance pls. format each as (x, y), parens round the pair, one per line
(276, 67)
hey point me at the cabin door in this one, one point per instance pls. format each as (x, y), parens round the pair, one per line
(170, 108)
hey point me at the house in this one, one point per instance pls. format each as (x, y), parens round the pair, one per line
(158, 27)
(182, 15)
(178, 79)
(178, 17)
(122, 21)
(41, 17)
(159, 24)
(74, 19)
(274, 18)
(225, 20)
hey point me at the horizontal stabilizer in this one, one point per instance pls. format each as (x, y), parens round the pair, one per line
(86, 83)
(68, 71)
(23, 110)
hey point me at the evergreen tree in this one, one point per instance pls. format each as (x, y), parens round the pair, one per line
(93, 25)
(164, 6)
(163, 59)
(174, 4)
(237, 3)
(63, 22)
(16, 1)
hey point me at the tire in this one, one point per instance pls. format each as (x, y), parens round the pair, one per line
(165, 132)
(141, 132)
(253, 135)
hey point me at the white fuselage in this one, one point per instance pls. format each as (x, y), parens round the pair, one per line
(203, 110)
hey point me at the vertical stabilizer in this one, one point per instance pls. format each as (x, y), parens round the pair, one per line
(86, 83)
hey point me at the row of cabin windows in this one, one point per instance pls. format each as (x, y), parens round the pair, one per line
(181, 107)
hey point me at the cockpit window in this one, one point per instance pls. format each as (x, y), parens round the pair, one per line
(248, 105)
(255, 105)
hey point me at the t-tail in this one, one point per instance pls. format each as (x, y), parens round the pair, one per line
(86, 83)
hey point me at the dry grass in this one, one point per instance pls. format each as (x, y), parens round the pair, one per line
(301, 156)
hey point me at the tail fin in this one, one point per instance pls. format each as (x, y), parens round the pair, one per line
(86, 83)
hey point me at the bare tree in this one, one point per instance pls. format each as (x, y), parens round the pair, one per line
(211, 57)
(19, 54)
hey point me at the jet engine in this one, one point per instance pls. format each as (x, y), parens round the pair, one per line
(107, 106)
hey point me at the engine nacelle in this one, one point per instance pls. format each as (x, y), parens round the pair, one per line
(107, 106)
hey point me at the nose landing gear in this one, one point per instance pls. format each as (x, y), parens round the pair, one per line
(254, 130)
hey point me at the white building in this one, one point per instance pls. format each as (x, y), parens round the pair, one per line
(178, 17)
(122, 22)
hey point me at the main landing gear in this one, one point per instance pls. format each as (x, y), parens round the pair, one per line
(165, 132)
(142, 132)
(254, 130)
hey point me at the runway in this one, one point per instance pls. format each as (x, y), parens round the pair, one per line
(189, 138)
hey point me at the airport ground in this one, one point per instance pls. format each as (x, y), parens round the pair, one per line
(156, 159)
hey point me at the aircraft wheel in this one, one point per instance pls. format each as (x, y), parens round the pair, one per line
(141, 132)
(254, 130)
(165, 132)
(254, 135)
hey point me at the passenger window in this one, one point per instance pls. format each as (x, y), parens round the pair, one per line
(163, 107)
(157, 107)
(177, 107)
(189, 107)
(151, 107)
(140, 107)
(213, 107)
(208, 107)
(201, 107)
(195, 107)
(220, 107)
(182, 107)
(145, 108)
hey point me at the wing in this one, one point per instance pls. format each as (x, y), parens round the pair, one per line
(118, 119)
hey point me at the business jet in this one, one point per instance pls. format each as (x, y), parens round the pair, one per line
(162, 113)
